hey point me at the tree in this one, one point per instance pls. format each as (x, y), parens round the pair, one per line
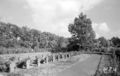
(115, 41)
(61, 45)
(103, 42)
(12, 36)
(82, 32)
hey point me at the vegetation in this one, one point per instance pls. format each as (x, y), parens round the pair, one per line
(83, 35)
(115, 42)
(14, 39)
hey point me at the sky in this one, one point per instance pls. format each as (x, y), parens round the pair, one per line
(55, 15)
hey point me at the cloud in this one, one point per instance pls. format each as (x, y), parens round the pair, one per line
(104, 27)
(101, 29)
(6, 19)
(115, 33)
(54, 15)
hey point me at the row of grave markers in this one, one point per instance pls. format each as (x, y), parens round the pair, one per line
(47, 59)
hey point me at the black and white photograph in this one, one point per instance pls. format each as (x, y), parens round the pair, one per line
(59, 37)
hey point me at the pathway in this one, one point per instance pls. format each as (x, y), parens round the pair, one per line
(83, 68)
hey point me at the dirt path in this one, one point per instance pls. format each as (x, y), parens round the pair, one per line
(85, 68)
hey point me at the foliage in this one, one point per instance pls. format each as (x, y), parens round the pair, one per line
(14, 37)
(61, 45)
(103, 42)
(115, 41)
(82, 32)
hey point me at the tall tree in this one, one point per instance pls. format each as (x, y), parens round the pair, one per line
(82, 32)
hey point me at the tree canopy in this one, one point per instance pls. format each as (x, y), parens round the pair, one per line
(82, 32)
(103, 42)
(115, 41)
(12, 36)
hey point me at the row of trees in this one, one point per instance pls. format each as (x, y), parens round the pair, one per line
(83, 37)
(12, 36)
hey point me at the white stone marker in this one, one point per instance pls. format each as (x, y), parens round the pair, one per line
(12, 66)
(28, 64)
(38, 62)
(54, 58)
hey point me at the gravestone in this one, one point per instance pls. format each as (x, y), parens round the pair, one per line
(12, 66)
(60, 56)
(64, 56)
(68, 56)
(38, 62)
(28, 64)
(54, 58)
(51, 58)
(47, 59)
